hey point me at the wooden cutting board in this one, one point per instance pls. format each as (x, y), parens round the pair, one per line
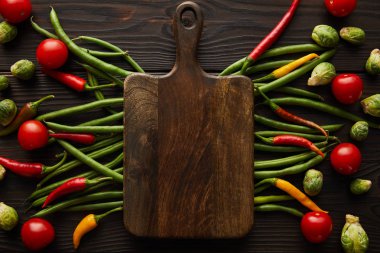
(188, 147)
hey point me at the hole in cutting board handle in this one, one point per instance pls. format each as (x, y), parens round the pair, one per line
(188, 18)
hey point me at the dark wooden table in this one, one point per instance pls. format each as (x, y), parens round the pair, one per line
(231, 29)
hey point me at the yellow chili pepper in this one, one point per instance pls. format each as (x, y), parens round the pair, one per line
(292, 191)
(284, 70)
(88, 223)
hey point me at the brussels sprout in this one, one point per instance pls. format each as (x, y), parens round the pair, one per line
(353, 35)
(354, 239)
(23, 69)
(313, 182)
(7, 32)
(373, 63)
(322, 74)
(360, 186)
(8, 110)
(2, 172)
(371, 105)
(325, 36)
(4, 82)
(8, 217)
(359, 131)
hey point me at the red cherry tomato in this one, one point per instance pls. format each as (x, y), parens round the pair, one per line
(346, 158)
(32, 134)
(52, 53)
(340, 8)
(15, 11)
(347, 88)
(316, 226)
(37, 233)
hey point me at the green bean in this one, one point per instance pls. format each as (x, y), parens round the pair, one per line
(259, 189)
(94, 207)
(283, 149)
(274, 207)
(83, 199)
(322, 107)
(310, 137)
(292, 127)
(294, 91)
(265, 66)
(281, 162)
(85, 129)
(296, 73)
(97, 145)
(84, 56)
(102, 74)
(102, 169)
(295, 169)
(48, 34)
(47, 189)
(259, 200)
(81, 108)
(112, 47)
(105, 120)
(302, 48)
(75, 163)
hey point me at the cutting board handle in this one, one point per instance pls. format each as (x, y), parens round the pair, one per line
(187, 34)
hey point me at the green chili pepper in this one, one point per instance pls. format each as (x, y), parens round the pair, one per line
(84, 56)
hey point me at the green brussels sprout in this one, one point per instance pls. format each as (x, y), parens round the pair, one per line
(354, 239)
(23, 69)
(8, 110)
(373, 63)
(2, 172)
(353, 35)
(359, 131)
(325, 36)
(371, 105)
(322, 74)
(360, 186)
(8, 217)
(4, 82)
(313, 182)
(7, 32)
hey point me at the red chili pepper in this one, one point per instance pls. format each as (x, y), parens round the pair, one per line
(27, 112)
(271, 37)
(86, 139)
(291, 140)
(291, 117)
(29, 169)
(70, 186)
(75, 82)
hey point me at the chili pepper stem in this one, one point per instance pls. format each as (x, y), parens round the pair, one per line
(101, 216)
(38, 102)
(48, 169)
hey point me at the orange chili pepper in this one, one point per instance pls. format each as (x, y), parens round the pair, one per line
(88, 223)
(292, 191)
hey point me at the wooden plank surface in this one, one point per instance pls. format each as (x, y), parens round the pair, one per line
(231, 29)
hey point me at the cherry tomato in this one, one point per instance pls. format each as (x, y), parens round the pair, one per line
(346, 158)
(347, 88)
(52, 53)
(32, 134)
(37, 233)
(316, 226)
(15, 11)
(340, 8)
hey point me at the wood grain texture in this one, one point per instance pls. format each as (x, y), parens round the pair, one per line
(188, 146)
(232, 29)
